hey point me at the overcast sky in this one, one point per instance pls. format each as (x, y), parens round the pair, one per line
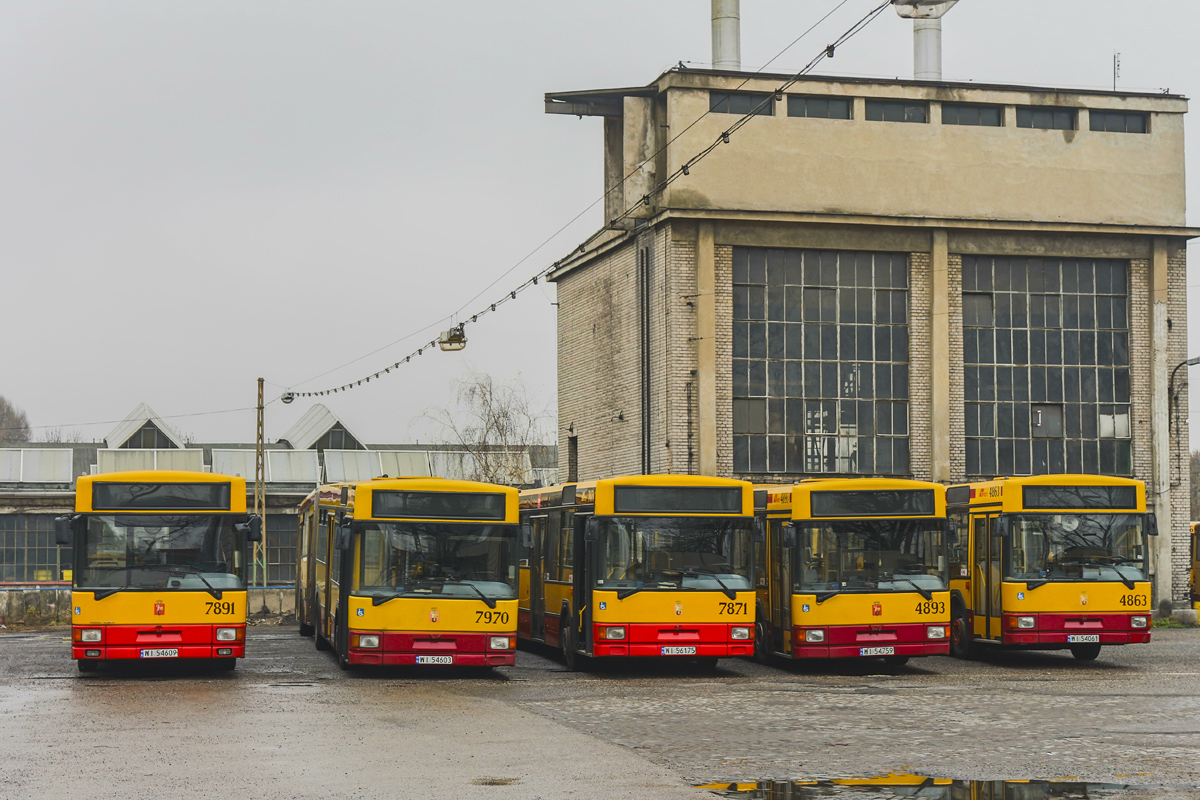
(193, 195)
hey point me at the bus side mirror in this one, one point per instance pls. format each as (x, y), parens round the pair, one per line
(760, 531)
(251, 528)
(62, 530)
(789, 535)
(1002, 527)
(343, 537)
(592, 532)
(951, 532)
(1151, 525)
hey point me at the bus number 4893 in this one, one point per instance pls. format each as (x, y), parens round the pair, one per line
(931, 607)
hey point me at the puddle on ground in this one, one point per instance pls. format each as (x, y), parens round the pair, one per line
(898, 786)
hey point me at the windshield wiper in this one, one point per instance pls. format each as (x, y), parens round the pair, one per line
(491, 603)
(696, 572)
(170, 569)
(173, 568)
(628, 590)
(925, 593)
(1031, 585)
(823, 596)
(1127, 581)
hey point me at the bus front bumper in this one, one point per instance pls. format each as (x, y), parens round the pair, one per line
(450, 649)
(707, 640)
(872, 641)
(142, 642)
(1064, 630)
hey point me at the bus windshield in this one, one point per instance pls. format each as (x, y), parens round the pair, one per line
(711, 554)
(190, 552)
(449, 559)
(878, 555)
(1077, 547)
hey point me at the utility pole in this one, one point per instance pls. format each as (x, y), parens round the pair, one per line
(260, 492)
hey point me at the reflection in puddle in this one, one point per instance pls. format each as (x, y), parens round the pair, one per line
(890, 786)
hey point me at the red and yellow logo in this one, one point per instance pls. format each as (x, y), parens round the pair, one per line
(433, 614)
(877, 609)
(160, 608)
(678, 609)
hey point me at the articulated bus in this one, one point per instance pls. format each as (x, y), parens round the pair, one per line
(160, 562)
(854, 567)
(624, 567)
(1195, 562)
(410, 571)
(1050, 562)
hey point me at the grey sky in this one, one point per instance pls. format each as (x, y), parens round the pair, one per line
(196, 194)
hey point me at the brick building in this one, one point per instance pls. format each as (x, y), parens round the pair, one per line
(882, 277)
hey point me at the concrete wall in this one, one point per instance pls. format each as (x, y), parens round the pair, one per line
(857, 166)
(44, 607)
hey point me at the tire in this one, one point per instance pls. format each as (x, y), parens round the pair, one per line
(961, 645)
(1085, 652)
(762, 648)
(87, 666)
(895, 661)
(307, 630)
(320, 642)
(566, 643)
(226, 664)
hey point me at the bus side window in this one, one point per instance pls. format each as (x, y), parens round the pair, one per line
(959, 566)
(567, 564)
(323, 542)
(551, 547)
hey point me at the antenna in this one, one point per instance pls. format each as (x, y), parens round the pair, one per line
(1116, 69)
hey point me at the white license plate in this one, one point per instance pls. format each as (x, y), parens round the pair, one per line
(1084, 637)
(435, 659)
(161, 653)
(877, 651)
(679, 651)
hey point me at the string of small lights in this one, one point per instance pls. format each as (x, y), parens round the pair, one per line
(457, 333)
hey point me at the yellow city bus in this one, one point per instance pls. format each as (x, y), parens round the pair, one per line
(854, 567)
(1195, 560)
(655, 565)
(160, 564)
(1050, 562)
(410, 571)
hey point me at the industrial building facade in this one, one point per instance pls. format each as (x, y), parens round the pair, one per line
(877, 277)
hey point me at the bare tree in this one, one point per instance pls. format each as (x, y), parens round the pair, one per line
(495, 423)
(14, 425)
(58, 435)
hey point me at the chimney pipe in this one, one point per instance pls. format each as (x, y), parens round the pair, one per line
(726, 34)
(927, 34)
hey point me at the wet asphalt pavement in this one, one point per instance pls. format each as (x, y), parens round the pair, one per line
(290, 724)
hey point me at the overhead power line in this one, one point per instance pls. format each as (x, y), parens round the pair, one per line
(685, 169)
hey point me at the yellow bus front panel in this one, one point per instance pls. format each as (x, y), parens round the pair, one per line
(665, 623)
(158, 624)
(1075, 613)
(870, 624)
(444, 630)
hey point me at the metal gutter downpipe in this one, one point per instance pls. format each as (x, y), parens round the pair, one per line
(727, 34)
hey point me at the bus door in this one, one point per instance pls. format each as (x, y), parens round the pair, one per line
(579, 564)
(537, 579)
(986, 579)
(780, 583)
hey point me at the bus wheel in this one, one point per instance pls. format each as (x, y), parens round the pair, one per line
(960, 634)
(320, 642)
(566, 643)
(1082, 652)
(307, 630)
(761, 654)
(226, 664)
(87, 666)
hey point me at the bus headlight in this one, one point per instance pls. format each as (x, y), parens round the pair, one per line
(935, 632)
(1139, 622)
(91, 635)
(500, 643)
(367, 640)
(739, 633)
(227, 634)
(614, 633)
(814, 636)
(1026, 623)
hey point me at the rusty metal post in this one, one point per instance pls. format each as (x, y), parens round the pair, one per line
(260, 492)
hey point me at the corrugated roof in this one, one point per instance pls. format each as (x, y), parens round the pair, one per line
(315, 423)
(134, 422)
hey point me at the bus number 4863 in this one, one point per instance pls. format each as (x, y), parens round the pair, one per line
(1135, 600)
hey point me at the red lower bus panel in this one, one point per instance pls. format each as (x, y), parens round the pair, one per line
(848, 641)
(128, 641)
(648, 639)
(1053, 629)
(465, 649)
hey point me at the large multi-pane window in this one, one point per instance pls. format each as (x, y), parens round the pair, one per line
(28, 553)
(820, 362)
(1046, 366)
(281, 548)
